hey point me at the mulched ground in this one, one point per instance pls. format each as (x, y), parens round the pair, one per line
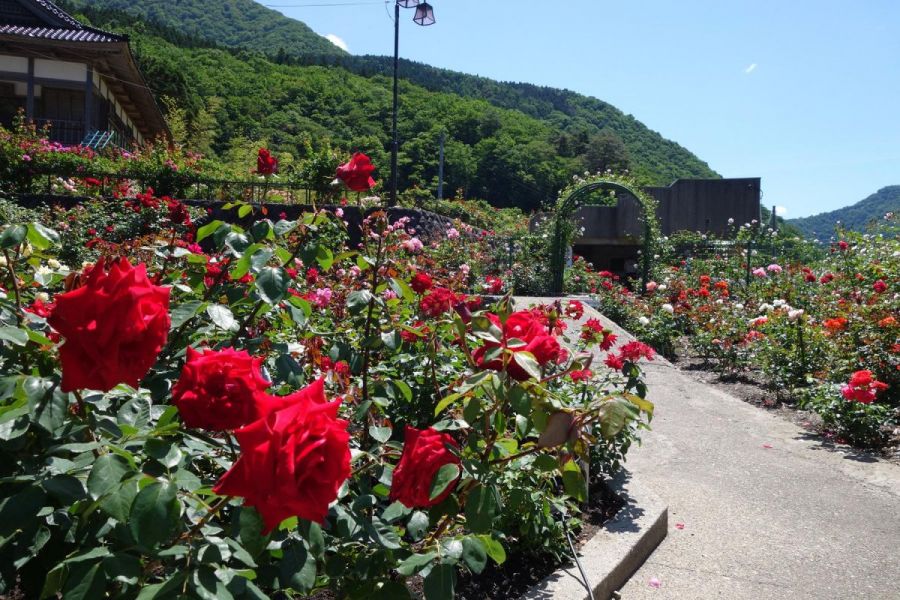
(751, 387)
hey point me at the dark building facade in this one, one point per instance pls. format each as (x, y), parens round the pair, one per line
(613, 235)
(81, 81)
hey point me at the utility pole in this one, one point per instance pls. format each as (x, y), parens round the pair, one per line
(441, 169)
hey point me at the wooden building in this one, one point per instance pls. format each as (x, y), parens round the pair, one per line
(613, 235)
(82, 81)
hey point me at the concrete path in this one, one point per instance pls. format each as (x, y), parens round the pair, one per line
(767, 512)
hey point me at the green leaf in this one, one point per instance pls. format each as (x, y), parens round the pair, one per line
(272, 284)
(167, 453)
(645, 405)
(395, 512)
(573, 481)
(402, 289)
(185, 311)
(117, 503)
(250, 525)
(54, 581)
(440, 583)
(123, 568)
(380, 434)
(65, 488)
(482, 507)
(262, 230)
(485, 329)
(106, 474)
(297, 569)
(154, 513)
(12, 236)
(527, 361)
(415, 563)
(384, 534)
(494, 549)
(546, 463)
(417, 525)
(358, 301)
(474, 554)
(614, 415)
(42, 237)
(244, 210)
(171, 588)
(443, 404)
(85, 582)
(237, 243)
(208, 229)
(222, 316)
(445, 476)
(20, 508)
(17, 336)
(207, 586)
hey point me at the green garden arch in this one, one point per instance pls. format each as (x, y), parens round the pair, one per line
(573, 198)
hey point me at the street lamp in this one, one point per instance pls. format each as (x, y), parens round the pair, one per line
(424, 16)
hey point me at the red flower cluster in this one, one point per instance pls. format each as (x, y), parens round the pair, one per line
(266, 164)
(880, 286)
(115, 325)
(178, 212)
(525, 327)
(424, 453)
(630, 352)
(574, 309)
(439, 301)
(593, 332)
(293, 461)
(493, 285)
(863, 387)
(582, 375)
(421, 283)
(836, 324)
(357, 174)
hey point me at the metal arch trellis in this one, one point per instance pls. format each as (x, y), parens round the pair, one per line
(572, 199)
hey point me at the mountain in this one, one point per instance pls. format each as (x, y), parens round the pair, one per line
(234, 23)
(855, 217)
(511, 144)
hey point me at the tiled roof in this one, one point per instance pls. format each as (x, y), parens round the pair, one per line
(83, 34)
(58, 13)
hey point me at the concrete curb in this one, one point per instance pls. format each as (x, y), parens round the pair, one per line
(612, 556)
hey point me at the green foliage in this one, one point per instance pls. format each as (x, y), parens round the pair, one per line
(854, 218)
(510, 144)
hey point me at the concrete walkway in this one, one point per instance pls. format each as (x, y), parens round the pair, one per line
(767, 512)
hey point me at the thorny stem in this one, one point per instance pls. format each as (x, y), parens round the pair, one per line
(10, 266)
(368, 328)
(503, 461)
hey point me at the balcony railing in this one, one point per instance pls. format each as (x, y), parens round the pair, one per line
(70, 133)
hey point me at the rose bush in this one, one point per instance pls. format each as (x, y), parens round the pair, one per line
(263, 410)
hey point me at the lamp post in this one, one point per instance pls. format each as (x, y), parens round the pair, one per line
(424, 16)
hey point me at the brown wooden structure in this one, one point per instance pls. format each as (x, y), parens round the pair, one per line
(81, 81)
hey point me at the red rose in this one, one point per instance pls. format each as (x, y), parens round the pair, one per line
(421, 283)
(524, 326)
(574, 309)
(493, 285)
(222, 390)
(266, 164)
(115, 326)
(293, 462)
(439, 301)
(424, 453)
(880, 286)
(357, 174)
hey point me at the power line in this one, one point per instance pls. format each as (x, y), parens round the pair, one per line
(324, 4)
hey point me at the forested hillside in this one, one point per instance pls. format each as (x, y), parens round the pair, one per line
(512, 144)
(235, 23)
(855, 217)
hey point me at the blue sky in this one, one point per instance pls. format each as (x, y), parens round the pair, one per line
(803, 93)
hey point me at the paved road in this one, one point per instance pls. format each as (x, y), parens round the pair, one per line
(768, 513)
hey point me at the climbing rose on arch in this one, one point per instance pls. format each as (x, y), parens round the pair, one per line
(114, 325)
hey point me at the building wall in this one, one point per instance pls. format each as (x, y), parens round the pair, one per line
(67, 75)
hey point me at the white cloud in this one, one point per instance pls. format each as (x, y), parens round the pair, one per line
(750, 68)
(781, 211)
(337, 41)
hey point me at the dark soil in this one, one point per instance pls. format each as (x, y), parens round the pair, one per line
(522, 571)
(750, 386)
